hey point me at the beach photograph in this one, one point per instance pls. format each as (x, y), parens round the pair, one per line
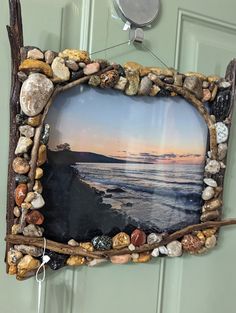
(116, 163)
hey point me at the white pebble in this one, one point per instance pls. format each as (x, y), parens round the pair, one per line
(222, 165)
(212, 167)
(210, 242)
(174, 248)
(208, 193)
(135, 256)
(155, 253)
(210, 182)
(38, 201)
(163, 250)
(95, 262)
(131, 247)
(222, 132)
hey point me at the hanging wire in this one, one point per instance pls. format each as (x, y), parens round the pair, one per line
(154, 55)
(111, 47)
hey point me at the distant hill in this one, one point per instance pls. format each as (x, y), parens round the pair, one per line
(66, 157)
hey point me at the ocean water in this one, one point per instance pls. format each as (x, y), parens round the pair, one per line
(163, 196)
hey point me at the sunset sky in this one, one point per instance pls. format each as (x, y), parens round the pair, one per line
(144, 129)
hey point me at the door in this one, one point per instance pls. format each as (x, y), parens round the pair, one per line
(189, 35)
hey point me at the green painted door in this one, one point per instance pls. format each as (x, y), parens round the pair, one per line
(189, 35)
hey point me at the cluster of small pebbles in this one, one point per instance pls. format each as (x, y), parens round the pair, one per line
(40, 72)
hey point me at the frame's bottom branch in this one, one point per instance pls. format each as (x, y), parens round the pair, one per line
(25, 258)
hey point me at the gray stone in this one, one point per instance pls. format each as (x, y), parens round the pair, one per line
(27, 131)
(13, 256)
(94, 80)
(23, 145)
(154, 238)
(35, 93)
(35, 54)
(26, 156)
(31, 250)
(38, 201)
(121, 84)
(45, 134)
(169, 80)
(22, 76)
(210, 182)
(17, 211)
(21, 179)
(72, 65)
(224, 85)
(174, 248)
(61, 72)
(82, 64)
(194, 84)
(133, 82)
(178, 80)
(205, 84)
(49, 56)
(210, 215)
(32, 231)
(208, 193)
(212, 167)
(145, 86)
(210, 242)
(222, 151)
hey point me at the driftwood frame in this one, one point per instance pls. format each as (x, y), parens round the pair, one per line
(190, 237)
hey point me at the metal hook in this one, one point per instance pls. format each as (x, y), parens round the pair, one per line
(136, 35)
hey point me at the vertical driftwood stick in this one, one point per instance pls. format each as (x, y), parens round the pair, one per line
(15, 35)
(231, 76)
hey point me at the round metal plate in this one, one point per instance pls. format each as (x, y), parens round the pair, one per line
(138, 12)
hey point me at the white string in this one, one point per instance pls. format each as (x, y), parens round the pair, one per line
(45, 259)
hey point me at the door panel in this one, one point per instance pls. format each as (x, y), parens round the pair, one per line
(190, 35)
(203, 43)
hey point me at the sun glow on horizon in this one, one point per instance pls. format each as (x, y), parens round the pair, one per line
(167, 130)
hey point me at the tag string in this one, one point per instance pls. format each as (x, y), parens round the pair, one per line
(39, 280)
(154, 55)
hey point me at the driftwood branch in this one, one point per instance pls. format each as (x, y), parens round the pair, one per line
(66, 249)
(15, 35)
(199, 106)
(230, 75)
(51, 245)
(84, 79)
(37, 137)
(58, 89)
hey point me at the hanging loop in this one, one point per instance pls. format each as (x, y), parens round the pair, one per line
(136, 35)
